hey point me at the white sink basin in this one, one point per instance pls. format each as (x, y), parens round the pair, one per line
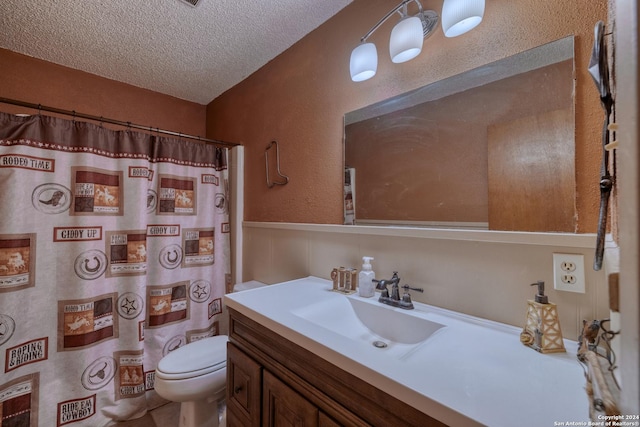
(366, 320)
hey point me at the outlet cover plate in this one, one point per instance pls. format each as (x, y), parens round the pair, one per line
(568, 273)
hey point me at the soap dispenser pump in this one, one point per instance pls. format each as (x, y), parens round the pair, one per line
(366, 287)
(542, 331)
(540, 296)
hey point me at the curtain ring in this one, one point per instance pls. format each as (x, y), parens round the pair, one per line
(40, 109)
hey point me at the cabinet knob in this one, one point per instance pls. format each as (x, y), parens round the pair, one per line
(237, 389)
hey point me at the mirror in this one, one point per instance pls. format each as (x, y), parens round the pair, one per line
(491, 148)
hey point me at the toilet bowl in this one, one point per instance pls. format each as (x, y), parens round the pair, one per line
(196, 375)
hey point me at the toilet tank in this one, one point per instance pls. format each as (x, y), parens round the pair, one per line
(245, 286)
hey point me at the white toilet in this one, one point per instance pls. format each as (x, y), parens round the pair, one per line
(196, 375)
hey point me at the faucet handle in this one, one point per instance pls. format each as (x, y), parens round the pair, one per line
(406, 298)
(381, 285)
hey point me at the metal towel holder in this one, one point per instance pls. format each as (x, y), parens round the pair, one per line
(266, 159)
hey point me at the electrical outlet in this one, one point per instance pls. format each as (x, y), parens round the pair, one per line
(568, 272)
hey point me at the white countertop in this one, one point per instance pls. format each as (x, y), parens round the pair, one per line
(471, 372)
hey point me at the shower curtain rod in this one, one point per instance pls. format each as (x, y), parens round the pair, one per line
(75, 114)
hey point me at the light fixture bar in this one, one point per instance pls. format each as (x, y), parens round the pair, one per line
(408, 35)
(405, 44)
(387, 16)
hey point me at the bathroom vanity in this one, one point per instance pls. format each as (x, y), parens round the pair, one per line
(272, 378)
(300, 354)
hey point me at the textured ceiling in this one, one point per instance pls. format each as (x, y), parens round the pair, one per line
(192, 53)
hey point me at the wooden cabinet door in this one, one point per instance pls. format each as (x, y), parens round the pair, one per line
(325, 421)
(244, 384)
(283, 407)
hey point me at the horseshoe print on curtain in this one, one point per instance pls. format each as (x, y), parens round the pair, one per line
(114, 251)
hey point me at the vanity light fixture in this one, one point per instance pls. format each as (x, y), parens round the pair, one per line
(460, 16)
(405, 43)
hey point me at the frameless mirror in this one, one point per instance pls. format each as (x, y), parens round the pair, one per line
(491, 148)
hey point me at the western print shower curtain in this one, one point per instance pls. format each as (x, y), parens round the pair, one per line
(114, 251)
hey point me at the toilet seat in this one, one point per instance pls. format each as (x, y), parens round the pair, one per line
(194, 359)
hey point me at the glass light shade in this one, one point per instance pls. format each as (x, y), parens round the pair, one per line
(364, 62)
(406, 39)
(460, 16)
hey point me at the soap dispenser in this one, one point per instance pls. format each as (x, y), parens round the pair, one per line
(366, 287)
(542, 329)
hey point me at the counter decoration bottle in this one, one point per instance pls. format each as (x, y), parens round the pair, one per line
(366, 287)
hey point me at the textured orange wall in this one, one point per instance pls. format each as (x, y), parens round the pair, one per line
(40, 82)
(300, 97)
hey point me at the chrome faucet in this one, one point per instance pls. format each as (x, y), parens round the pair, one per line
(395, 300)
(382, 286)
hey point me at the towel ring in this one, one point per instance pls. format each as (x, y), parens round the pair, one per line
(266, 159)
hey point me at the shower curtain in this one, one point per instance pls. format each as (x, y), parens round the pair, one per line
(114, 251)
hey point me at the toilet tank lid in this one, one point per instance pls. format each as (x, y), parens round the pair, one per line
(196, 356)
